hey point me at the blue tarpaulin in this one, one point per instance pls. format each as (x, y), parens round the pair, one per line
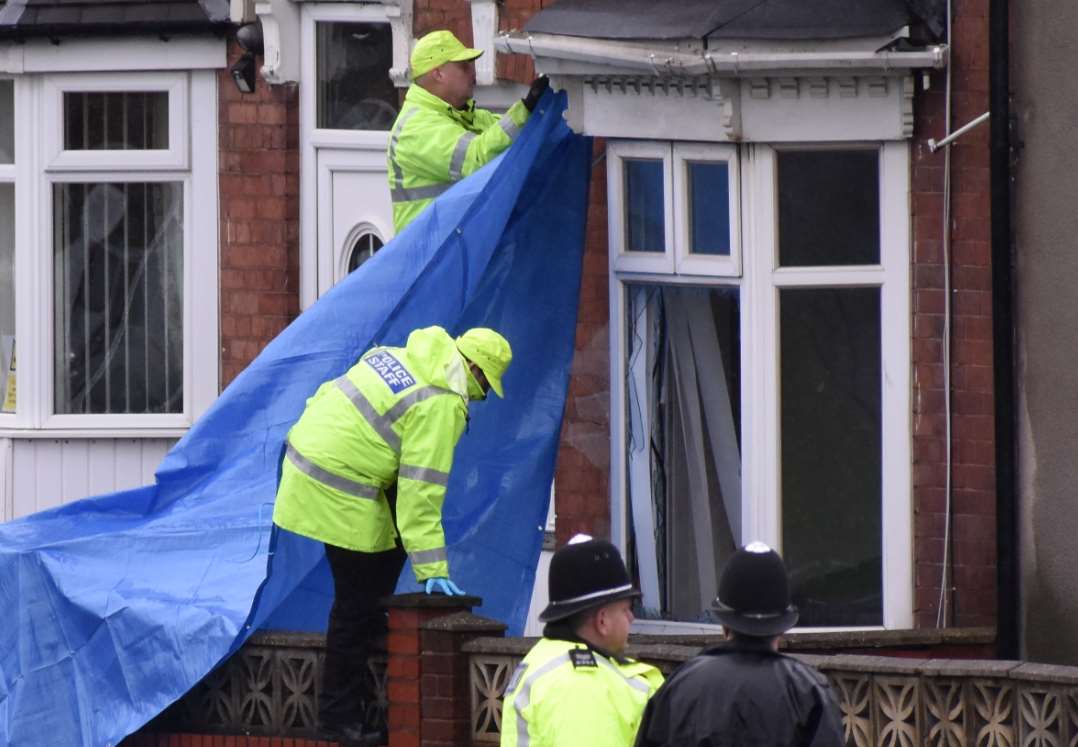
(117, 605)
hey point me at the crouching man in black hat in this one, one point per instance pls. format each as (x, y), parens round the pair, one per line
(744, 692)
(575, 688)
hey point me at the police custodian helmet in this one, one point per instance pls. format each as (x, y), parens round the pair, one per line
(585, 573)
(754, 593)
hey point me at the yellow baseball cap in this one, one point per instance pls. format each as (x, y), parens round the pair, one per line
(436, 49)
(490, 351)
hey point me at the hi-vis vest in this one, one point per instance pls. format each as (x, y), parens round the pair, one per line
(564, 694)
(433, 145)
(394, 417)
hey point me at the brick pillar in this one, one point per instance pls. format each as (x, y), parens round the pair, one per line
(407, 612)
(445, 696)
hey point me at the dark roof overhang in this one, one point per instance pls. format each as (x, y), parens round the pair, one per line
(67, 19)
(790, 20)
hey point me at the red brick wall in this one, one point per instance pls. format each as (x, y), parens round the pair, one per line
(259, 188)
(973, 475)
(582, 482)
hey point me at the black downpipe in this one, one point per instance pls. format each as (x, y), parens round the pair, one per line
(1007, 559)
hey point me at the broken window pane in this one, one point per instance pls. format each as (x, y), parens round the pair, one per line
(831, 461)
(682, 363)
(645, 222)
(355, 91)
(829, 207)
(709, 207)
(118, 120)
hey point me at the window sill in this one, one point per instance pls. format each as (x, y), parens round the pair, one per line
(91, 433)
(690, 634)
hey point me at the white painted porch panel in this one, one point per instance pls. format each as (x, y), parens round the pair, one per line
(37, 474)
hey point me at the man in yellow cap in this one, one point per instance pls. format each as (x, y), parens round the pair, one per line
(440, 136)
(371, 456)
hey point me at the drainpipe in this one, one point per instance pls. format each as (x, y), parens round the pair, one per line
(1008, 644)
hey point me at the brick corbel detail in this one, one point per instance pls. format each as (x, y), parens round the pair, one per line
(426, 672)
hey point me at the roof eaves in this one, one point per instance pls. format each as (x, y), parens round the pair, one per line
(140, 28)
(674, 59)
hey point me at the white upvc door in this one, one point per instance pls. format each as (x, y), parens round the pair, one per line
(344, 195)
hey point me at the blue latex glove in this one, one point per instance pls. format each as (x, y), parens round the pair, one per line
(443, 586)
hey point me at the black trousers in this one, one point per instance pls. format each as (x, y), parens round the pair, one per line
(356, 620)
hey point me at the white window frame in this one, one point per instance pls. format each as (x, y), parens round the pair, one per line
(38, 172)
(675, 157)
(617, 153)
(761, 282)
(15, 174)
(702, 264)
(176, 156)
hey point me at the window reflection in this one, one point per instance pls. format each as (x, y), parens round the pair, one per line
(354, 88)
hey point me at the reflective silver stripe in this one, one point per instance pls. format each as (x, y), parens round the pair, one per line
(424, 474)
(594, 594)
(523, 698)
(418, 193)
(396, 412)
(309, 468)
(382, 425)
(630, 681)
(509, 127)
(456, 163)
(428, 556)
(398, 175)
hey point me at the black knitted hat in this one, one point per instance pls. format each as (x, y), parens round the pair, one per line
(754, 593)
(585, 573)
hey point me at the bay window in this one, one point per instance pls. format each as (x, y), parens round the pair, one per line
(115, 306)
(760, 375)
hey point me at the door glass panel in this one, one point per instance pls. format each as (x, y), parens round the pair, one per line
(364, 248)
(7, 121)
(354, 88)
(683, 452)
(123, 120)
(829, 207)
(645, 222)
(831, 464)
(7, 298)
(709, 206)
(118, 297)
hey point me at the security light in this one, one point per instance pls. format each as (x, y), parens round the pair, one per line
(243, 72)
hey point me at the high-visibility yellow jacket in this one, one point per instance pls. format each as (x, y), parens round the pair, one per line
(433, 145)
(394, 417)
(565, 694)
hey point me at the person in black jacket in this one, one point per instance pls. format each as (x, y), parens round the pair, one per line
(744, 692)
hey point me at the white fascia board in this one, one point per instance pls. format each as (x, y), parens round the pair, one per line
(113, 54)
(725, 57)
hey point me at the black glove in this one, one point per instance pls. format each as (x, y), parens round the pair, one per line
(539, 85)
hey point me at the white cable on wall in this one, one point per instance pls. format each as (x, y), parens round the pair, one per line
(945, 576)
